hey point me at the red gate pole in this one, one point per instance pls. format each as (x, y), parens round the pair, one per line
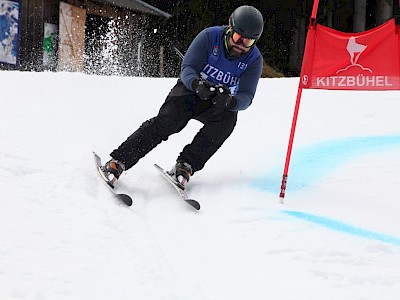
(315, 9)
(290, 145)
(296, 112)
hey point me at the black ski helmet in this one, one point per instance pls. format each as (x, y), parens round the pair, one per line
(247, 21)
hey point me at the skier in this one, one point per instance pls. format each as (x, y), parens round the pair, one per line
(219, 77)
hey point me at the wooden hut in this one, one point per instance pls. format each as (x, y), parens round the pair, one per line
(93, 36)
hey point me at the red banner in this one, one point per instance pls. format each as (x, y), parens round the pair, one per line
(368, 60)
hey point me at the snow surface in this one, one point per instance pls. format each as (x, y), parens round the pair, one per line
(63, 235)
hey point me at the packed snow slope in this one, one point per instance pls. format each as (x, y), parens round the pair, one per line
(63, 235)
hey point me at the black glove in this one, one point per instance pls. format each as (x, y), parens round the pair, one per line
(204, 89)
(223, 98)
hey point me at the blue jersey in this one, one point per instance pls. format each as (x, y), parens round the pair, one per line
(207, 58)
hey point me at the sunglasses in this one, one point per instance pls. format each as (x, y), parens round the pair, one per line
(246, 42)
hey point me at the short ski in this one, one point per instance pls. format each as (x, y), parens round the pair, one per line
(123, 197)
(180, 191)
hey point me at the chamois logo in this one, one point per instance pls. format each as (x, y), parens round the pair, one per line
(355, 51)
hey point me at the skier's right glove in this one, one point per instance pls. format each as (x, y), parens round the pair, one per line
(204, 89)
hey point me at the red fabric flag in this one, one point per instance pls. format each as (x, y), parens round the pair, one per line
(368, 60)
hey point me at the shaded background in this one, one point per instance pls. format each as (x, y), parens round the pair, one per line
(282, 43)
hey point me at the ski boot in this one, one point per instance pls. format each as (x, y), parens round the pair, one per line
(181, 173)
(112, 170)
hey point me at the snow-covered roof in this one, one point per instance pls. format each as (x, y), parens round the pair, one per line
(138, 5)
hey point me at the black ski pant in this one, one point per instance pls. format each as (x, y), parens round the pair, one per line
(180, 106)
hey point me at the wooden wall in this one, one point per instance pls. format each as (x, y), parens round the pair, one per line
(34, 13)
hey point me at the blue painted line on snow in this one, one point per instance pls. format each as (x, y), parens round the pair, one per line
(311, 163)
(343, 227)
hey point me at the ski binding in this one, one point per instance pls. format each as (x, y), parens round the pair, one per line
(177, 187)
(122, 197)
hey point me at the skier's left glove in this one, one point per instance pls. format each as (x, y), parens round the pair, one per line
(204, 89)
(223, 98)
